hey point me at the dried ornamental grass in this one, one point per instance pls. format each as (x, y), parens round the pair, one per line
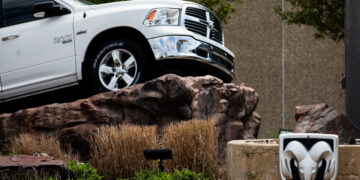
(29, 144)
(194, 145)
(117, 152)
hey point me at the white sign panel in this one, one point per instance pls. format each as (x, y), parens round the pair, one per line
(308, 156)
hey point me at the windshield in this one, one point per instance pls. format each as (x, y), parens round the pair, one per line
(82, 2)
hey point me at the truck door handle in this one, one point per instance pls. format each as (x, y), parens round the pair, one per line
(7, 38)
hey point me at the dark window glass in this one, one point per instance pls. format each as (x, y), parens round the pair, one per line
(18, 11)
(1, 19)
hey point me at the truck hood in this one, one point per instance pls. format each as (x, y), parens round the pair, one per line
(149, 3)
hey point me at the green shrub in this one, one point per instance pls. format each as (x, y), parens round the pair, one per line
(186, 174)
(326, 16)
(83, 171)
(9, 154)
(152, 175)
(156, 174)
(80, 171)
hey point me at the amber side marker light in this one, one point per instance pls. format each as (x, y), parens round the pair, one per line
(151, 15)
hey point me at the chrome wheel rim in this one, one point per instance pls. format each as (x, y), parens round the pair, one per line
(117, 69)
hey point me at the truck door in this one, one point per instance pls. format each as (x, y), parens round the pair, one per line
(1, 25)
(35, 53)
(0, 89)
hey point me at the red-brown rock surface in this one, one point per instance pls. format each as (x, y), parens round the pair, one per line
(29, 161)
(18, 167)
(157, 102)
(321, 118)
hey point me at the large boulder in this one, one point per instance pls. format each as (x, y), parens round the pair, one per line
(29, 167)
(167, 99)
(321, 118)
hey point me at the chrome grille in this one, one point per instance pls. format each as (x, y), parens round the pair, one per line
(203, 22)
(196, 12)
(196, 27)
(216, 33)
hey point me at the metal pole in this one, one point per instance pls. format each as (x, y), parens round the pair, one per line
(283, 66)
(352, 62)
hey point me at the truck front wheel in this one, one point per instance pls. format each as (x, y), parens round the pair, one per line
(116, 65)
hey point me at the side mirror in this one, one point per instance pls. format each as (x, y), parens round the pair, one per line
(49, 9)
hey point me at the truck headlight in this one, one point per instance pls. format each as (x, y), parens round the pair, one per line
(158, 17)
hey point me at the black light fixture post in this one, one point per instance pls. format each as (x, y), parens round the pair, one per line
(158, 154)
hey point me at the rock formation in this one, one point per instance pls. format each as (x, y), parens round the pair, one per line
(321, 118)
(159, 102)
(20, 167)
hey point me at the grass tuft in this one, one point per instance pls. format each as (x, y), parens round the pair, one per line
(117, 152)
(29, 144)
(194, 145)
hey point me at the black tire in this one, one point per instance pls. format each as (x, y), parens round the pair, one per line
(98, 83)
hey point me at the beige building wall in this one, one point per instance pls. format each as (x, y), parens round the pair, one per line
(312, 68)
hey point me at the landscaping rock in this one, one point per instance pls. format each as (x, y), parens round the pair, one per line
(167, 99)
(31, 167)
(321, 118)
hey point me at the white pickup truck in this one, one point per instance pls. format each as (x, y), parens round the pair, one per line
(51, 44)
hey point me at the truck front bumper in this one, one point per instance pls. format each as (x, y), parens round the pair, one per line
(185, 48)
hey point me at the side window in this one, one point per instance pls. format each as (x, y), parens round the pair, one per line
(18, 11)
(1, 18)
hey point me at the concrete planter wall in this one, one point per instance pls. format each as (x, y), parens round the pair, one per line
(258, 160)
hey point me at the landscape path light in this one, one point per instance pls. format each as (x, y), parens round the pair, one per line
(159, 155)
